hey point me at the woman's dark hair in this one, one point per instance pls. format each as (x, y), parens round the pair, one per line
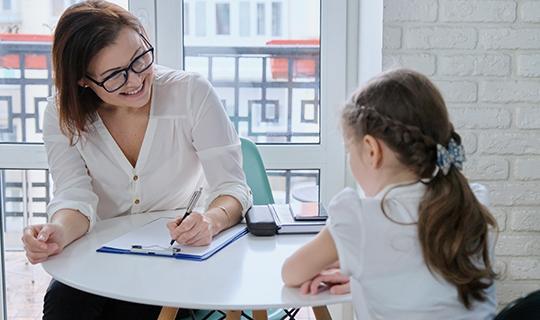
(405, 110)
(82, 31)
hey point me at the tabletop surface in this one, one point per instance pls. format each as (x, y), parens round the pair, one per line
(244, 275)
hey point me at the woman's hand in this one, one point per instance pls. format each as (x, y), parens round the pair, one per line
(195, 230)
(330, 279)
(42, 241)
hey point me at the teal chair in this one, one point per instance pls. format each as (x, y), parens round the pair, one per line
(255, 173)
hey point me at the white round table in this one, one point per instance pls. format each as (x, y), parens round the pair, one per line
(244, 275)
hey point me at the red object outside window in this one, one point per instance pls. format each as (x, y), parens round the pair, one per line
(302, 68)
(31, 61)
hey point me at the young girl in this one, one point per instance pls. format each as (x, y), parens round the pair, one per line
(415, 241)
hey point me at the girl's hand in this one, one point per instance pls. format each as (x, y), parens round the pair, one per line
(331, 280)
(42, 241)
(195, 230)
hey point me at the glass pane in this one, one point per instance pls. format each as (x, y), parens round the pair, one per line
(263, 59)
(289, 186)
(24, 195)
(25, 65)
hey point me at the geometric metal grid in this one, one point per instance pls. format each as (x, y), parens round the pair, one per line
(25, 84)
(262, 117)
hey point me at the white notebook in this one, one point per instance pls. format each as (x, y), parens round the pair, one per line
(287, 224)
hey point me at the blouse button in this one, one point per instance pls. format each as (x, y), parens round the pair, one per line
(137, 201)
(135, 178)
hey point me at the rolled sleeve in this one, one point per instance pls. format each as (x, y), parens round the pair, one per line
(72, 184)
(218, 146)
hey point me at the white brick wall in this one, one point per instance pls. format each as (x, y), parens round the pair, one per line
(485, 57)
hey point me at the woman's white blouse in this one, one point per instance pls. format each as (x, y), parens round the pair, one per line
(189, 142)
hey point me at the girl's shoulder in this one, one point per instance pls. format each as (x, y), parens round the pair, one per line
(481, 193)
(345, 205)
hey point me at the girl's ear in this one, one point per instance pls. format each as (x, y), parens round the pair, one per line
(373, 151)
(82, 83)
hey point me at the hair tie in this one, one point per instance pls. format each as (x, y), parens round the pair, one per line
(453, 155)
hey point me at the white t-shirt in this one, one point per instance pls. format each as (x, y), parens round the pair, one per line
(389, 278)
(189, 142)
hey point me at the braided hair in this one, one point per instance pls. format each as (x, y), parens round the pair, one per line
(405, 110)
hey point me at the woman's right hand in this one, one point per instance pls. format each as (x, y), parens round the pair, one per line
(42, 241)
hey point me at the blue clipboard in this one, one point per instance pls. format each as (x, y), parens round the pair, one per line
(152, 239)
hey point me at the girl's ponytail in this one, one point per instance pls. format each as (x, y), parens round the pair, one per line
(453, 229)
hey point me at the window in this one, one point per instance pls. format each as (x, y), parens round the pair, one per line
(276, 19)
(200, 18)
(244, 16)
(186, 18)
(6, 4)
(261, 19)
(269, 84)
(222, 19)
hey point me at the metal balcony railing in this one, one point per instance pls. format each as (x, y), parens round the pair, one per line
(278, 101)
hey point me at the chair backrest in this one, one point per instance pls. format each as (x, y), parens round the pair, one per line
(255, 173)
(525, 308)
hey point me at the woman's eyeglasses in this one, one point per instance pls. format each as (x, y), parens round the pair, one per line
(118, 79)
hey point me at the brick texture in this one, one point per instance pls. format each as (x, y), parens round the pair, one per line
(478, 11)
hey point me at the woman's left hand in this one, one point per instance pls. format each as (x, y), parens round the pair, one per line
(195, 230)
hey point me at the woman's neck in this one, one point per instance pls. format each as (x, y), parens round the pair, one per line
(124, 111)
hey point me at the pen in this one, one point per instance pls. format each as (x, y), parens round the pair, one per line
(191, 204)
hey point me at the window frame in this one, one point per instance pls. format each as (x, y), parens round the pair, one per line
(329, 155)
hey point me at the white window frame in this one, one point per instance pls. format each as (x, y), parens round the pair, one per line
(351, 30)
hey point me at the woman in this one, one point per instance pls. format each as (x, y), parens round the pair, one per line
(124, 136)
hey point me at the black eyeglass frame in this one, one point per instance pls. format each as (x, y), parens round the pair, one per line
(126, 70)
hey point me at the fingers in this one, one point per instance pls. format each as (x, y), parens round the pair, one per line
(39, 243)
(336, 282)
(45, 233)
(341, 288)
(30, 240)
(37, 257)
(194, 230)
(335, 278)
(317, 285)
(304, 288)
(173, 224)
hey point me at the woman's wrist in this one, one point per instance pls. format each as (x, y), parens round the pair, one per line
(72, 225)
(218, 221)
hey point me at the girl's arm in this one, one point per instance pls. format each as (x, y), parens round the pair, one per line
(310, 260)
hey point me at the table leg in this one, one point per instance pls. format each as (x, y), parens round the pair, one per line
(321, 313)
(234, 315)
(260, 315)
(168, 313)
